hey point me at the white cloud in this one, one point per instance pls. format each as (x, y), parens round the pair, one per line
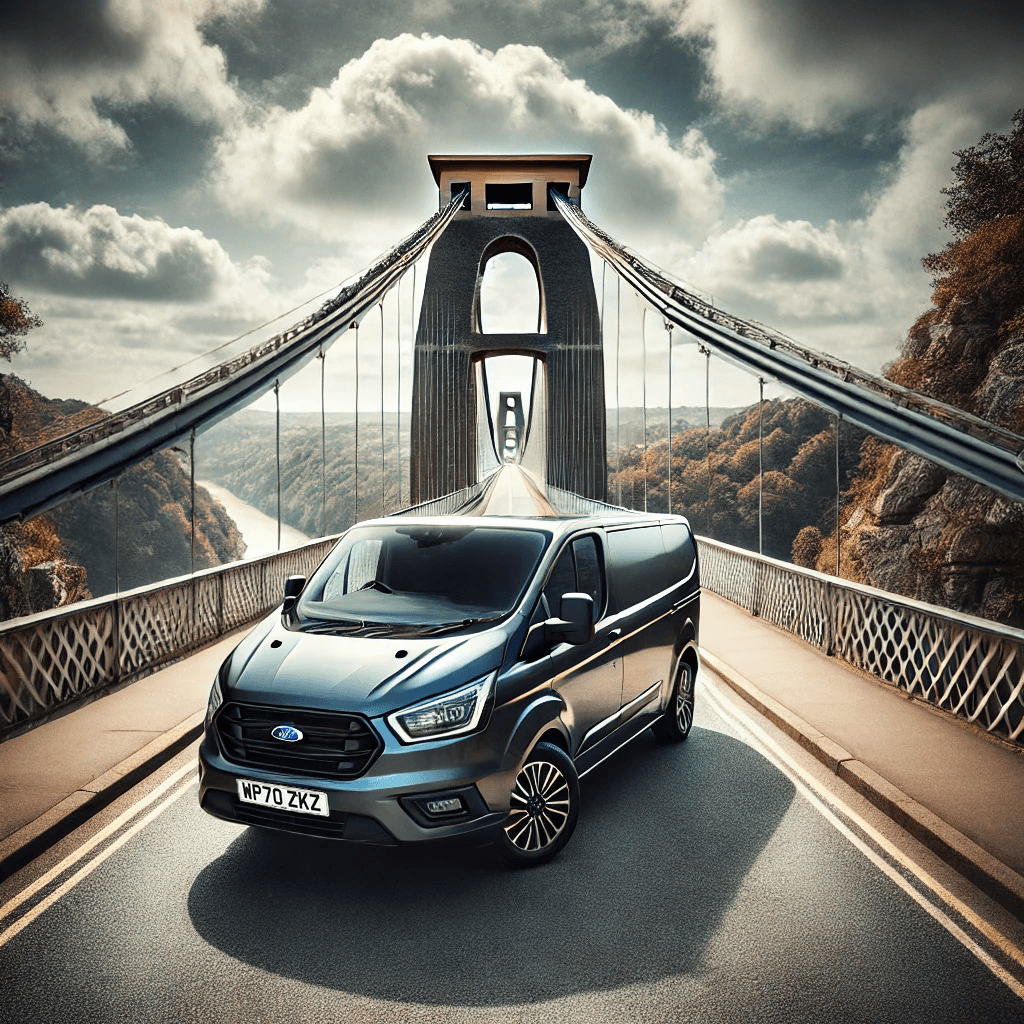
(66, 65)
(840, 288)
(352, 161)
(123, 297)
(100, 253)
(763, 252)
(815, 62)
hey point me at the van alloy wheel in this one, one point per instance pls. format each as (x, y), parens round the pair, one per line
(674, 726)
(544, 807)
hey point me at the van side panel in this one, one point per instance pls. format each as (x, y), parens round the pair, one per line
(638, 573)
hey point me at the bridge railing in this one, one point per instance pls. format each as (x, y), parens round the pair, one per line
(450, 504)
(58, 657)
(570, 504)
(968, 666)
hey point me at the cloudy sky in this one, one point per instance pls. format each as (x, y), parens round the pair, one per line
(174, 173)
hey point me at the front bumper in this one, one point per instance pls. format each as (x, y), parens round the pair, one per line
(377, 807)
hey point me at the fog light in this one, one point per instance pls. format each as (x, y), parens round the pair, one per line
(450, 805)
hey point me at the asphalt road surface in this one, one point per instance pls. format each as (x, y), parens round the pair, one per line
(703, 883)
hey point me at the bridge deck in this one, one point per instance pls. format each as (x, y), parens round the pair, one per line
(968, 780)
(515, 494)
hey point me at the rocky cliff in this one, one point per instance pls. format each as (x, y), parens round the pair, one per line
(913, 527)
(918, 530)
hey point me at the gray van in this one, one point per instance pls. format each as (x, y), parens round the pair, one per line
(453, 677)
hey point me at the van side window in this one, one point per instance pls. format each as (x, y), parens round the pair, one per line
(679, 551)
(577, 571)
(636, 565)
(589, 579)
(561, 581)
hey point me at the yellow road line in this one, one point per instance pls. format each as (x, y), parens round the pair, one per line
(91, 866)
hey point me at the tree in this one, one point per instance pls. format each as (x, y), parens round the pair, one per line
(988, 183)
(976, 277)
(16, 320)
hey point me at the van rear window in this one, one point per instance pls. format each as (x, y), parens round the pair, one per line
(637, 565)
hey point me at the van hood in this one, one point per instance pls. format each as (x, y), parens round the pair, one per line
(368, 675)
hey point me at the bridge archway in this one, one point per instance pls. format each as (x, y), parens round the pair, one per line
(444, 444)
(520, 249)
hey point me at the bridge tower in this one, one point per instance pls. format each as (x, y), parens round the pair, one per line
(508, 210)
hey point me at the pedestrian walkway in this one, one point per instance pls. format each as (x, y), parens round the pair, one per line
(54, 776)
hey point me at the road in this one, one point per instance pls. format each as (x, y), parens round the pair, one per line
(718, 880)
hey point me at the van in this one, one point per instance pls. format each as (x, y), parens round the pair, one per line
(453, 677)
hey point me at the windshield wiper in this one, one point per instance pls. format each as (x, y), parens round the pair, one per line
(448, 627)
(367, 628)
(334, 626)
(377, 585)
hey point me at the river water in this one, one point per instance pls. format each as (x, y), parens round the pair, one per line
(259, 531)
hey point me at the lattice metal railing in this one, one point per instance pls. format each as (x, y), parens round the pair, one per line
(965, 665)
(54, 658)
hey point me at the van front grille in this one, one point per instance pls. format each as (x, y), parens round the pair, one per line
(334, 745)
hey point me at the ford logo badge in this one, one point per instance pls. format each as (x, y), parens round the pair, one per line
(287, 733)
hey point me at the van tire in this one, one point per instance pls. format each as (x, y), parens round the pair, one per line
(674, 725)
(545, 808)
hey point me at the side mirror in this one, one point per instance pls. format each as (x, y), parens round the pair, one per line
(292, 588)
(576, 624)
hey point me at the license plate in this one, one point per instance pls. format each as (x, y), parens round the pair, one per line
(285, 798)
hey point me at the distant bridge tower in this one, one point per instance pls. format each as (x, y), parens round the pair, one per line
(509, 210)
(510, 425)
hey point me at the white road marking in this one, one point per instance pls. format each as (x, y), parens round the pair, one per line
(805, 783)
(90, 866)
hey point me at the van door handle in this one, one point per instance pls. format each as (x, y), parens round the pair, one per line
(614, 634)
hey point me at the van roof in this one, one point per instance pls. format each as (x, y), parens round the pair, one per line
(554, 526)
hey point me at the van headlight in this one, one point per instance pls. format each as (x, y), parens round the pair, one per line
(450, 714)
(215, 701)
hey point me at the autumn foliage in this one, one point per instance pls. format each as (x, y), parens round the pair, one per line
(717, 480)
(911, 526)
(16, 320)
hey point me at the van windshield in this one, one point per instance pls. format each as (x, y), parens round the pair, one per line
(420, 578)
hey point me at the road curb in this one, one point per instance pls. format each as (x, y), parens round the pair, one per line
(987, 873)
(35, 838)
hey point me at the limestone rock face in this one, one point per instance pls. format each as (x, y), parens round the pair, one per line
(28, 585)
(1002, 392)
(54, 584)
(918, 530)
(911, 482)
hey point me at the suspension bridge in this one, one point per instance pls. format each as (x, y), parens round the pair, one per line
(540, 453)
(917, 710)
(458, 446)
